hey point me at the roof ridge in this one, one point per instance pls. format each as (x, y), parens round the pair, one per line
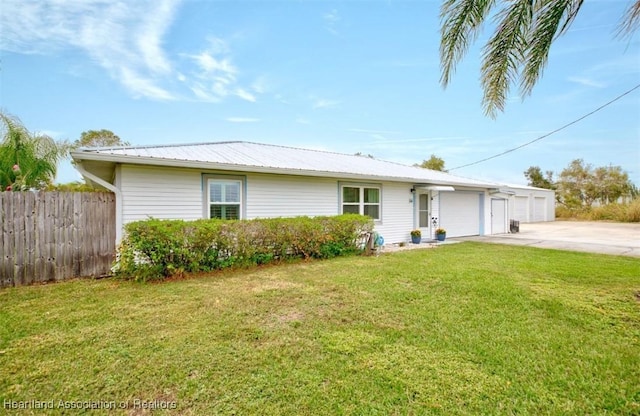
(152, 146)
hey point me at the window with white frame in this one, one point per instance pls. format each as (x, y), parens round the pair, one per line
(224, 198)
(364, 200)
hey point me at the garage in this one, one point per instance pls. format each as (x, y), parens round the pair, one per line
(539, 205)
(529, 204)
(520, 208)
(460, 213)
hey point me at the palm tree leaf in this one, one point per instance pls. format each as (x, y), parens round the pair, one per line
(630, 21)
(502, 56)
(461, 23)
(552, 18)
(37, 156)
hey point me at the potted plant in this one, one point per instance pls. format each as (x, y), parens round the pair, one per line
(441, 234)
(416, 236)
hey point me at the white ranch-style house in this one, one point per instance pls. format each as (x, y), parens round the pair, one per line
(238, 180)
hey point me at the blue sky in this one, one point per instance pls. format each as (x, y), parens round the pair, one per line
(351, 76)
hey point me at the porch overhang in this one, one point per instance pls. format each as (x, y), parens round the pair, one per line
(440, 188)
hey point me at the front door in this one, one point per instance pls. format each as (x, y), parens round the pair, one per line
(424, 215)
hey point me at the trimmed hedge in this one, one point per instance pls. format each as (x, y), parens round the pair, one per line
(156, 249)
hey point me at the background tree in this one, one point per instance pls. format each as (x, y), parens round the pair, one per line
(99, 138)
(75, 186)
(611, 183)
(90, 138)
(575, 185)
(580, 185)
(536, 178)
(518, 50)
(27, 160)
(433, 163)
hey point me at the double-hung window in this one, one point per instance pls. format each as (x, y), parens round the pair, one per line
(364, 200)
(224, 198)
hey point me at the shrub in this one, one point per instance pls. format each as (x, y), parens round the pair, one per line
(156, 249)
(628, 212)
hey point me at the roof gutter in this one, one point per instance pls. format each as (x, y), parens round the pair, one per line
(112, 188)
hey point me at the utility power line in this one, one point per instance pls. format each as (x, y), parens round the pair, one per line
(550, 133)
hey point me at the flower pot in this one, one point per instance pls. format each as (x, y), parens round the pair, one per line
(441, 237)
(416, 239)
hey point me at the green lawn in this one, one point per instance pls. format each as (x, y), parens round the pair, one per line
(462, 329)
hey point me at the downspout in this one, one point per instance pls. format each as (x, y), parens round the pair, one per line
(112, 188)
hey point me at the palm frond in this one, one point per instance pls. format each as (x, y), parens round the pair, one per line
(37, 156)
(631, 20)
(551, 20)
(571, 8)
(502, 56)
(461, 23)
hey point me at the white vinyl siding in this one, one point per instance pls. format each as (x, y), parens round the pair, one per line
(159, 192)
(290, 196)
(181, 193)
(397, 212)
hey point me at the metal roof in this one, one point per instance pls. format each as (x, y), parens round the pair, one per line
(257, 157)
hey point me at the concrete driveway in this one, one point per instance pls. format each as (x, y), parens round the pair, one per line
(594, 237)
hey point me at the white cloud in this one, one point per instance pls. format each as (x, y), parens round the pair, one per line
(302, 120)
(126, 40)
(203, 95)
(260, 85)
(150, 34)
(324, 103)
(245, 95)
(141, 86)
(332, 18)
(242, 120)
(215, 76)
(123, 38)
(210, 65)
(587, 82)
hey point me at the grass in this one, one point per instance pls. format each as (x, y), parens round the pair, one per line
(462, 329)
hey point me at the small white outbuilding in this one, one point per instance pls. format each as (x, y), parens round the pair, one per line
(530, 204)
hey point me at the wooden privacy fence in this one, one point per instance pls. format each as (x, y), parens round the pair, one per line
(55, 235)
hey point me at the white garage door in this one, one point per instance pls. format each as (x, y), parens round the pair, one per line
(539, 205)
(520, 208)
(460, 213)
